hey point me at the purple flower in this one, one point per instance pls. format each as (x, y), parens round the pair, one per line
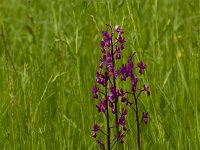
(121, 137)
(107, 38)
(102, 44)
(98, 107)
(134, 81)
(145, 117)
(124, 99)
(101, 65)
(95, 129)
(116, 72)
(123, 78)
(95, 89)
(122, 72)
(100, 144)
(121, 92)
(122, 120)
(130, 67)
(122, 46)
(108, 43)
(142, 66)
(146, 89)
(106, 76)
(134, 84)
(119, 30)
(113, 92)
(103, 59)
(117, 49)
(118, 56)
(123, 69)
(103, 50)
(102, 106)
(105, 33)
(113, 110)
(109, 57)
(98, 80)
(124, 112)
(102, 78)
(121, 39)
(110, 67)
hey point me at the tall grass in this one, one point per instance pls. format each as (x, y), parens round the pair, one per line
(48, 57)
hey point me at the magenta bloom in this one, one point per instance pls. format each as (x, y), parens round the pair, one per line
(142, 66)
(122, 120)
(118, 56)
(121, 39)
(134, 81)
(95, 90)
(100, 144)
(146, 89)
(95, 129)
(119, 30)
(121, 137)
(102, 106)
(102, 44)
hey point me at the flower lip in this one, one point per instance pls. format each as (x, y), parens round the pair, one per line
(96, 127)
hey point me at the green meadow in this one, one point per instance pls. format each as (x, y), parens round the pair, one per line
(49, 54)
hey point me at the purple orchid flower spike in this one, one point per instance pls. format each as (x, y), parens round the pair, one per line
(108, 90)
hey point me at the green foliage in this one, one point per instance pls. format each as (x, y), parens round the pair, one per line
(48, 55)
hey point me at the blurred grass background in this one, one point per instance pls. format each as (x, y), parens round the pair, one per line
(49, 51)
